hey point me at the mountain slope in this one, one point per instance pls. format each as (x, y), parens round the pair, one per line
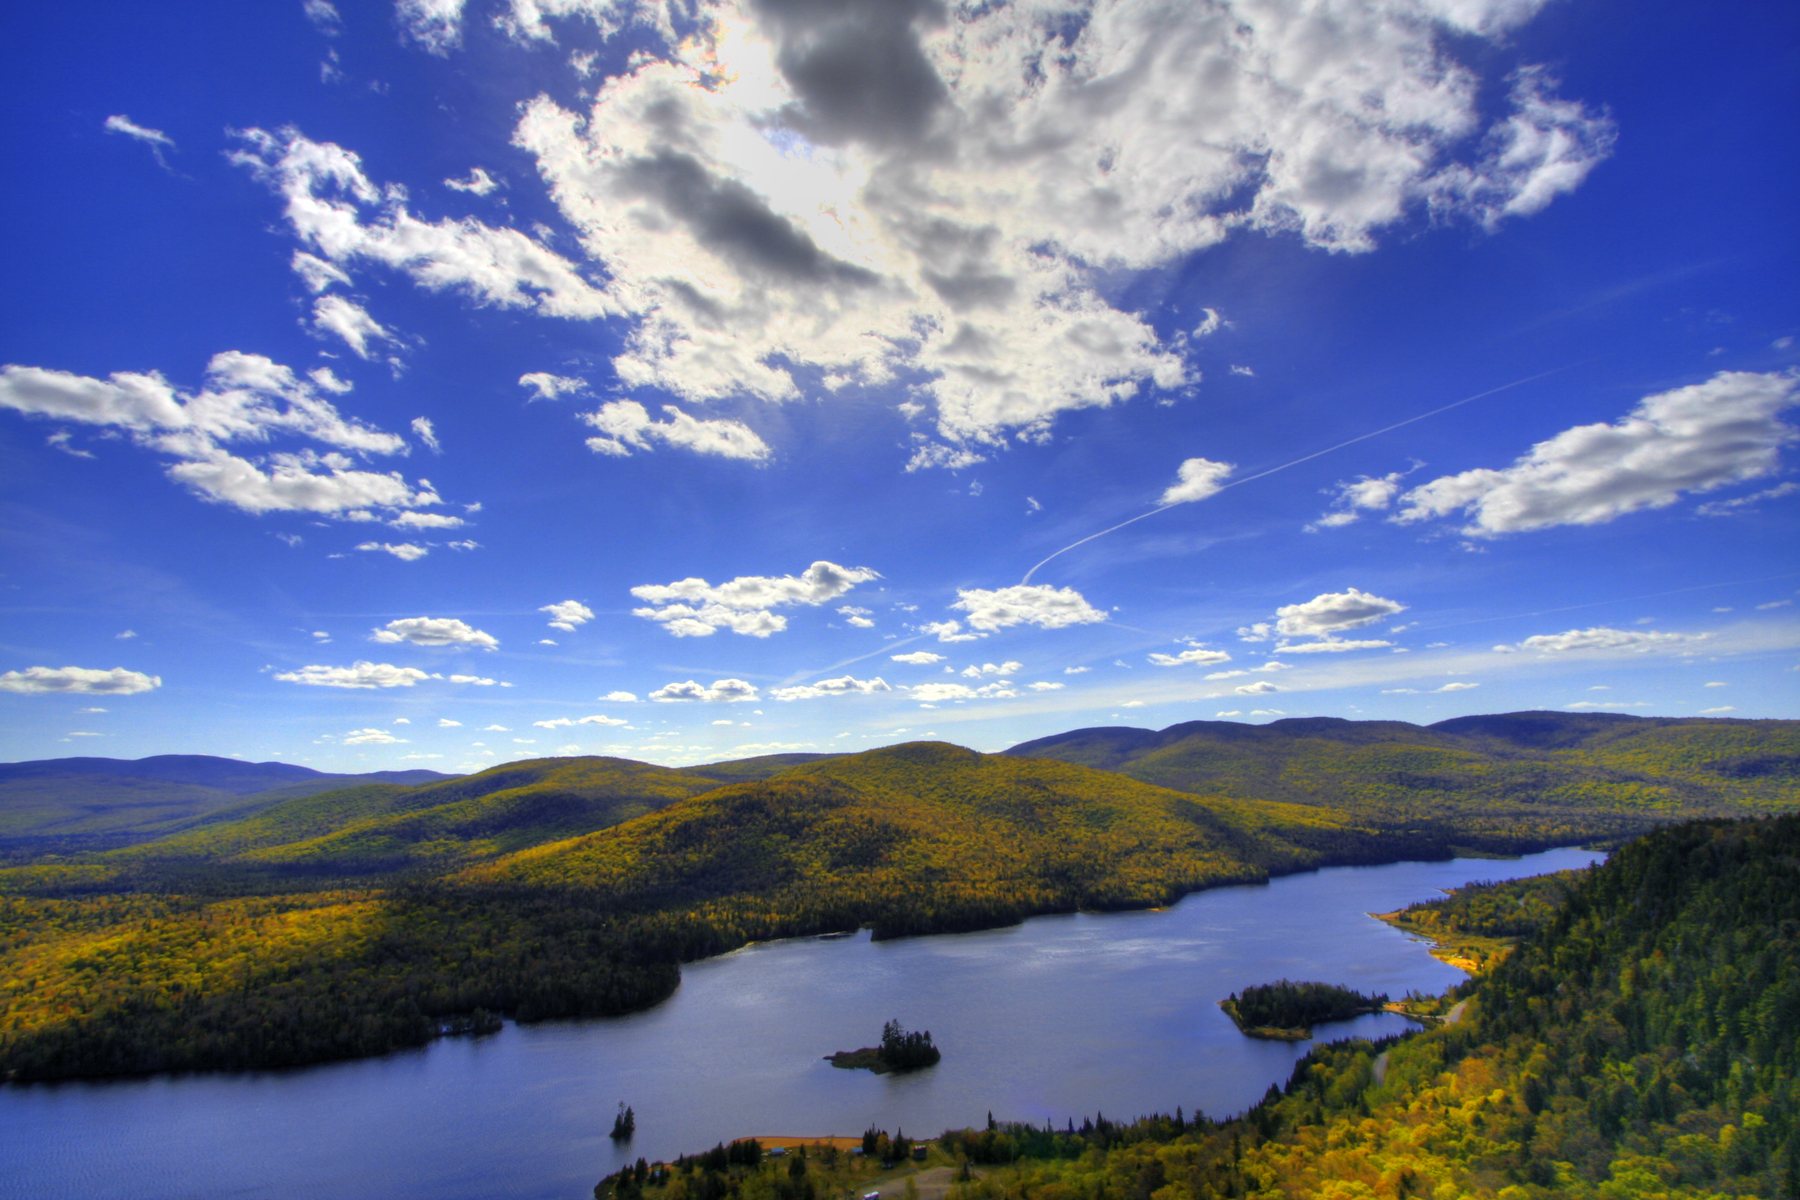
(1474, 773)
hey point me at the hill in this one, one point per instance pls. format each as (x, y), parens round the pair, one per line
(76, 802)
(1464, 776)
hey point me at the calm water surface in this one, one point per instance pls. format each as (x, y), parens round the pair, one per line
(1056, 1018)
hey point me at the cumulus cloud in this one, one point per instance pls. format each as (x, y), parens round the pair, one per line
(434, 25)
(1005, 668)
(77, 681)
(477, 680)
(871, 191)
(858, 617)
(1456, 687)
(447, 723)
(1601, 637)
(620, 697)
(1196, 479)
(1261, 687)
(1076, 670)
(413, 519)
(728, 691)
(843, 686)
(1692, 439)
(1196, 654)
(404, 551)
(434, 631)
(246, 399)
(949, 631)
(368, 737)
(626, 425)
(1364, 494)
(1333, 612)
(343, 218)
(695, 608)
(1332, 646)
(934, 692)
(549, 387)
(359, 674)
(561, 722)
(427, 433)
(324, 16)
(1047, 687)
(568, 614)
(479, 183)
(918, 658)
(1723, 708)
(1025, 604)
(352, 323)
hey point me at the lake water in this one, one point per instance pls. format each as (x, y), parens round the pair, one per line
(1056, 1018)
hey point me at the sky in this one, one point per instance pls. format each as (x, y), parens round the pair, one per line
(446, 382)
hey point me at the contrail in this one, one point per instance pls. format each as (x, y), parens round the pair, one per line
(1307, 458)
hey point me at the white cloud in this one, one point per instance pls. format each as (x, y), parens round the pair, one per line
(1047, 687)
(1716, 683)
(494, 729)
(1691, 439)
(336, 212)
(479, 183)
(858, 617)
(1261, 687)
(728, 691)
(436, 25)
(352, 323)
(1601, 637)
(843, 686)
(1025, 604)
(477, 680)
(568, 614)
(434, 631)
(404, 551)
(1005, 668)
(934, 692)
(949, 631)
(1365, 493)
(246, 398)
(1723, 708)
(900, 191)
(1456, 687)
(1236, 369)
(1196, 479)
(562, 722)
(1210, 324)
(77, 681)
(447, 723)
(358, 675)
(918, 658)
(402, 721)
(546, 641)
(626, 425)
(156, 139)
(1076, 670)
(1333, 612)
(620, 698)
(90, 710)
(324, 16)
(1591, 705)
(695, 608)
(1133, 704)
(426, 433)
(1196, 655)
(413, 519)
(1332, 646)
(1773, 604)
(1233, 712)
(366, 737)
(1724, 508)
(549, 387)
(127, 635)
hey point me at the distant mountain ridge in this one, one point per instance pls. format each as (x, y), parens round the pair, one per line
(108, 801)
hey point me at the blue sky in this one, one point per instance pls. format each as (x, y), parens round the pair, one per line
(440, 383)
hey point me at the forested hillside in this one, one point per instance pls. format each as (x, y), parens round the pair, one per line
(1641, 1046)
(1486, 773)
(354, 921)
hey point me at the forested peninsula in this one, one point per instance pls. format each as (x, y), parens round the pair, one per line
(1638, 1043)
(280, 931)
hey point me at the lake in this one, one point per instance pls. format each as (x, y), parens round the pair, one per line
(1050, 1020)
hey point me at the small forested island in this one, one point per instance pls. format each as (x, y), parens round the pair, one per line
(624, 1124)
(899, 1051)
(1285, 1011)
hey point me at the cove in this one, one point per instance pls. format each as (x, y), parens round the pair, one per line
(1055, 1018)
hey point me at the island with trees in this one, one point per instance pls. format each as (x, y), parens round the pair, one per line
(899, 1051)
(1285, 1011)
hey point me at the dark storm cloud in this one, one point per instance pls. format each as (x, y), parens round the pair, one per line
(731, 220)
(858, 67)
